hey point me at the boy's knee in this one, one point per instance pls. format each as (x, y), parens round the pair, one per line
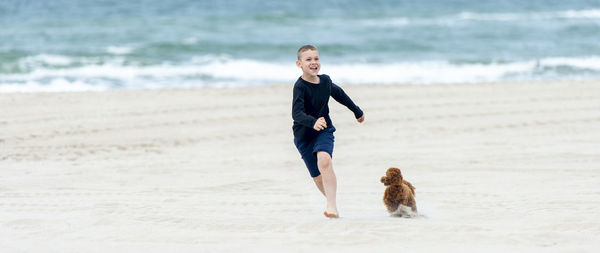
(323, 160)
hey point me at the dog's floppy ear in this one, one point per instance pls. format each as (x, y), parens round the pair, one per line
(385, 181)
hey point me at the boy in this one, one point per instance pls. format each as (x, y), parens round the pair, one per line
(313, 129)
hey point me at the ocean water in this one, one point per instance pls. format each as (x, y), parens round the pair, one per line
(70, 45)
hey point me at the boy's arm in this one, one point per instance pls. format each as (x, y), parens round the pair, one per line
(339, 95)
(298, 113)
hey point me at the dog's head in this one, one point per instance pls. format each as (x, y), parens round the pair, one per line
(392, 176)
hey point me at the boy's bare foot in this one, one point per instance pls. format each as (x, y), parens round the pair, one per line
(331, 215)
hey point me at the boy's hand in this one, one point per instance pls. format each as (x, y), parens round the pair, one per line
(361, 119)
(320, 124)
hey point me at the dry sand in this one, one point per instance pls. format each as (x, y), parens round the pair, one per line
(510, 167)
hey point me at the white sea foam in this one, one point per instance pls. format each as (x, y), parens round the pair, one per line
(224, 71)
(398, 21)
(590, 63)
(568, 14)
(45, 59)
(589, 14)
(467, 16)
(250, 70)
(119, 50)
(423, 72)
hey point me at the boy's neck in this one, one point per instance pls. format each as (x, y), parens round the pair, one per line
(311, 79)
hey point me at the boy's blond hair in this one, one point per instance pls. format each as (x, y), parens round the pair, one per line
(305, 48)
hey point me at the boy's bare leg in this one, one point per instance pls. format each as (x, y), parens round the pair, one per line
(329, 183)
(319, 182)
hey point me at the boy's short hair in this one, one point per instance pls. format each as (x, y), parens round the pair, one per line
(305, 48)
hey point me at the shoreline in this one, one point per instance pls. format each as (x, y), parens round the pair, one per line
(343, 84)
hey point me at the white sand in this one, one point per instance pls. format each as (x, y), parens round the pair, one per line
(497, 167)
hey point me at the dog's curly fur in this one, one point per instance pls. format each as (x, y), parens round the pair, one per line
(398, 191)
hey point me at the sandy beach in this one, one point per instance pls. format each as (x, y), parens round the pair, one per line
(498, 167)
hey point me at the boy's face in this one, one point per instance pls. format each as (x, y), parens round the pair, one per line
(309, 62)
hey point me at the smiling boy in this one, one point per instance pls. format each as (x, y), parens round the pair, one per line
(313, 129)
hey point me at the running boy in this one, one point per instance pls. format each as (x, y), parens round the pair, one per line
(313, 129)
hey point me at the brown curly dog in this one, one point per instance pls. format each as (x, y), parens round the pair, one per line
(398, 191)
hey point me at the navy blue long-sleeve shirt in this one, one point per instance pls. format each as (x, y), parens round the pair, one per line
(310, 102)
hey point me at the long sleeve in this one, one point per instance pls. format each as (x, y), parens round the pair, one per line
(298, 113)
(339, 95)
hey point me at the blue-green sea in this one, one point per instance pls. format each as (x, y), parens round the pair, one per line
(70, 45)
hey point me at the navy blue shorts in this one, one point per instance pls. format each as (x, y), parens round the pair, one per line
(308, 149)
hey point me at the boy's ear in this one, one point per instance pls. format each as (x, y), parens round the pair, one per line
(298, 63)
